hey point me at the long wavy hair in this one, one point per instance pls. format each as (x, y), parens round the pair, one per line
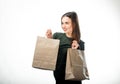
(76, 35)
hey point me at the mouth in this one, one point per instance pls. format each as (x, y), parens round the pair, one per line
(65, 29)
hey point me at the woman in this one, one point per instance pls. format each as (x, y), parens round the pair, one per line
(69, 39)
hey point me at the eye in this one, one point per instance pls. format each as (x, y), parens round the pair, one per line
(66, 23)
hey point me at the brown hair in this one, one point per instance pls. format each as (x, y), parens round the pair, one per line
(75, 24)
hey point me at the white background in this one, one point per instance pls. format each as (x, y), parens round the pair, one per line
(21, 21)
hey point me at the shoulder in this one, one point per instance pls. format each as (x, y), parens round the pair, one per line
(57, 35)
(82, 45)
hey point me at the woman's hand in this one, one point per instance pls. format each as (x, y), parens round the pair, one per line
(75, 44)
(49, 33)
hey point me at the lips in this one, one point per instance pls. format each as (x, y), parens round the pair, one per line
(65, 29)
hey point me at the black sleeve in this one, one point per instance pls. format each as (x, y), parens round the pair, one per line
(82, 45)
(55, 36)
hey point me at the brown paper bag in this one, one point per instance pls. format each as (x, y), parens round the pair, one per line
(76, 68)
(45, 54)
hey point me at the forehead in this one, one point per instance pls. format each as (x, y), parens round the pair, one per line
(66, 19)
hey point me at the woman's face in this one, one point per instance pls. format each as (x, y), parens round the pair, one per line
(66, 24)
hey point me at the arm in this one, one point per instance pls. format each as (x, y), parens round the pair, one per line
(82, 45)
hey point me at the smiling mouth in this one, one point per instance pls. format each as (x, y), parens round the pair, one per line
(65, 29)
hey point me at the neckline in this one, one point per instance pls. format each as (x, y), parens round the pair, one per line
(67, 36)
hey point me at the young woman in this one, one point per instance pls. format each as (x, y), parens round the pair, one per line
(69, 39)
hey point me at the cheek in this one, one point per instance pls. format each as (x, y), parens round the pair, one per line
(70, 28)
(62, 26)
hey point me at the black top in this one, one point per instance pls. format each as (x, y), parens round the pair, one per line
(65, 43)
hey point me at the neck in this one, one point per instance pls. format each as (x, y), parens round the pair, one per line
(69, 35)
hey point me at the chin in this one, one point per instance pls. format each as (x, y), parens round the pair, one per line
(65, 31)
